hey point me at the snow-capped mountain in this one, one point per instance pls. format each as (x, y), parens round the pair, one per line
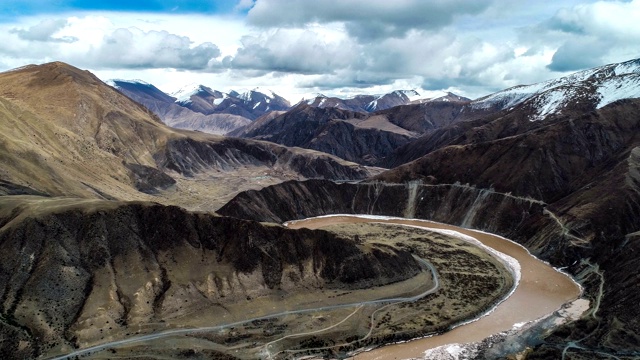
(392, 99)
(249, 104)
(366, 103)
(263, 101)
(179, 112)
(185, 94)
(449, 97)
(198, 107)
(592, 88)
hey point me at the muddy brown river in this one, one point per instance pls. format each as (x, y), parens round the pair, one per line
(541, 291)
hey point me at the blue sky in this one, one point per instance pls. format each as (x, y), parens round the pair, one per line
(32, 7)
(300, 47)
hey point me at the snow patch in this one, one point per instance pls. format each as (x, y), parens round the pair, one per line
(618, 88)
(184, 94)
(113, 82)
(609, 88)
(411, 94)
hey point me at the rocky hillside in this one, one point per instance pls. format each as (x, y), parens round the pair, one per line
(342, 133)
(518, 110)
(566, 187)
(64, 132)
(90, 271)
(375, 138)
(544, 162)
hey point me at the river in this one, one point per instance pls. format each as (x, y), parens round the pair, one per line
(541, 291)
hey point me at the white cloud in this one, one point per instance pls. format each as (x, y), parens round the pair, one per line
(292, 51)
(591, 34)
(134, 48)
(365, 19)
(338, 47)
(44, 31)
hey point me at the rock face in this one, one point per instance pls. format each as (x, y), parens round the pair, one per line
(88, 269)
(342, 133)
(456, 204)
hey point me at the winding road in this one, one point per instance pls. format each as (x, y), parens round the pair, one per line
(540, 292)
(173, 332)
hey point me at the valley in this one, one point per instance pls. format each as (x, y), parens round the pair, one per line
(338, 321)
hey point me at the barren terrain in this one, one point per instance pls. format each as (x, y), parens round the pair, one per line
(470, 281)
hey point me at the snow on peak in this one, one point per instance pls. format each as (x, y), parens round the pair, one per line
(184, 94)
(411, 94)
(258, 91)
(313, 99)
(114, 82)
(620, 87)
(604, 84)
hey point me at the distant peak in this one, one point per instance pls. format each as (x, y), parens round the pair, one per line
(184, 94)
(114, 82)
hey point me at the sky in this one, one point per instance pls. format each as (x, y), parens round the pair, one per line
(299, 48)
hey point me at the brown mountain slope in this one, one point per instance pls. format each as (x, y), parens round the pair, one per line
(547, 162)
(64, 132)
(567, 189)
(345, 134)
(81, 266)
(91, 271)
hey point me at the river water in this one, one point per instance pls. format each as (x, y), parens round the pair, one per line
(541, 291)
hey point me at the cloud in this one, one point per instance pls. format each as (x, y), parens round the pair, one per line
(244, 5)
(330, 59)
(134, 48)
(589, 35)
(579, 54)
(45, 31)
(364, 19)
(291, 51)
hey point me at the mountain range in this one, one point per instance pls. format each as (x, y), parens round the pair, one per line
(198, 107)
(95, 185)
(553, 166)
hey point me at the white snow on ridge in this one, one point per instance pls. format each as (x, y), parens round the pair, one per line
(621, 87)
(613, 82)
(248, 95)
(553, 101)
(112, 82)
(628, 67)
(509, 97)
(412, 94)
(184, 94)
